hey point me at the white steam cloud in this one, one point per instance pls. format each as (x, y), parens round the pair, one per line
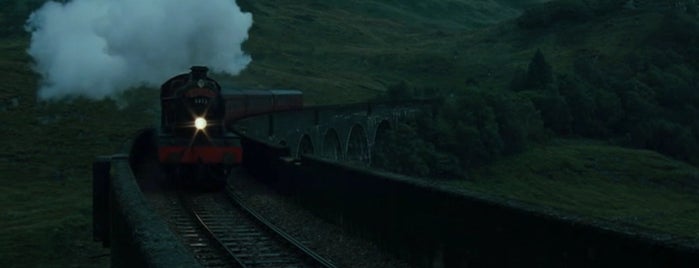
(97, 48)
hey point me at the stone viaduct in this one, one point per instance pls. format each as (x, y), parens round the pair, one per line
(346, 132)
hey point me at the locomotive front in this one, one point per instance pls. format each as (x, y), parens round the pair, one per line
(191, 103)
(193, 143)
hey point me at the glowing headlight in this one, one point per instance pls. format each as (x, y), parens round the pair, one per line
(200, 123)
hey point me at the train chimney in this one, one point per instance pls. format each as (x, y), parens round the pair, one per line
(199, 72)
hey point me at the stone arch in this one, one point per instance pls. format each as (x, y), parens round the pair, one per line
(331, 145)
(357, 145)
(379, 149)
(305, 146)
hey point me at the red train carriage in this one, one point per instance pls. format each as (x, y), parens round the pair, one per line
(194, 144)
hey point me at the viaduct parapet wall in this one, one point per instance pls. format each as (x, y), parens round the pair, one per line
(137, 236)
(433, 226)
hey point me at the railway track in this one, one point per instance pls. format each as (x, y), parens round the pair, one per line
(223, 232)
(208, 251)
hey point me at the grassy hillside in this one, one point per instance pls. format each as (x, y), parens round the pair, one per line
(45, 166)
(627, 187)
(337, 52)
(354, 51)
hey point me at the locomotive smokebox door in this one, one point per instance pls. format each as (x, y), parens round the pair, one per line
(100, 199)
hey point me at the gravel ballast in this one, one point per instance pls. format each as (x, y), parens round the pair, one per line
(328, 240)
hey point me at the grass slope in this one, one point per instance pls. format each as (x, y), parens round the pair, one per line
(338, 51)
(628, 187)
(45, 165)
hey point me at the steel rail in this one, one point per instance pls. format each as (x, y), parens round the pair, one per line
(187, 203)
(315, 257)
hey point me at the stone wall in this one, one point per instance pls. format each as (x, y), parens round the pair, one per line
(430, 225)
(136, 235)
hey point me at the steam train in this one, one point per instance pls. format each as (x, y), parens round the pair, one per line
(195, 145)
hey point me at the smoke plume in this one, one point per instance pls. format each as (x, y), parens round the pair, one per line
(97, 49)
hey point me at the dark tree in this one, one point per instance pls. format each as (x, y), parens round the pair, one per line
(539, 74)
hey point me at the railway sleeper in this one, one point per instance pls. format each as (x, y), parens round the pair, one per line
(276, 261)
(265, 255)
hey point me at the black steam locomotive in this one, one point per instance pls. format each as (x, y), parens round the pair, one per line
(195, 146)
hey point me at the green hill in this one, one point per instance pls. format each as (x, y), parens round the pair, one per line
(339, 51)
(626, 187)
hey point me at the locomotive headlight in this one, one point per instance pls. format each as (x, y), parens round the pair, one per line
(200, 123)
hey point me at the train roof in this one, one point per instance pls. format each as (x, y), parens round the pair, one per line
(225, 91)
(286, 91)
